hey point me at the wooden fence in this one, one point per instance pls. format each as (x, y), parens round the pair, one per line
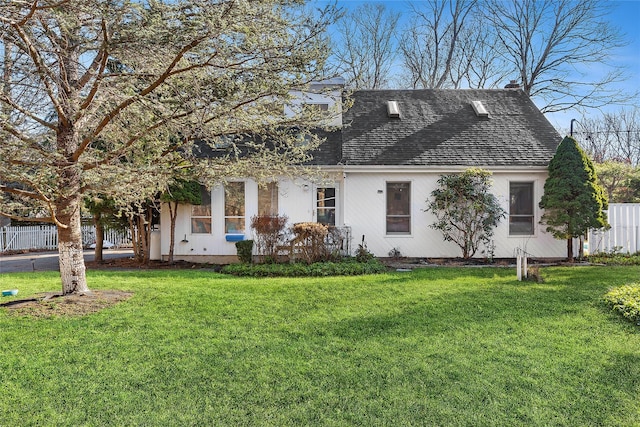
(45, 237)
(624, 234)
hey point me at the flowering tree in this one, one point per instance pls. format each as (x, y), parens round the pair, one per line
(108, 97)
(180, 192)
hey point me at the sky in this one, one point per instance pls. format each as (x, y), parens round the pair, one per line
(625, 15)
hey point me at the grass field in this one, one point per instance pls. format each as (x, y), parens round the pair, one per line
(433, 347)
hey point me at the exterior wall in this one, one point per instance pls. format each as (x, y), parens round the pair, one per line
(365, 212)
(361, 204)
(296, 200)
(332, 98)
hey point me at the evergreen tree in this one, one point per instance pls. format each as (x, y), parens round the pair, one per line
(573, 199)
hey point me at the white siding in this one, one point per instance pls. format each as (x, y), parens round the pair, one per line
(361, 204)
(296, 200)
(333, 99)
(365, 211)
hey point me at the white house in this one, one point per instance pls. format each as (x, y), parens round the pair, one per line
(384, 162)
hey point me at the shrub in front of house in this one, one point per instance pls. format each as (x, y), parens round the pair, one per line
(245, 249)
(309, 241)
(362, 254)
(302, 242)
(626, 301)
(269, 233)
(348, 267)
(615, 258)
(466, 211)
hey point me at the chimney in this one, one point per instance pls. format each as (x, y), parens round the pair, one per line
(513, 84)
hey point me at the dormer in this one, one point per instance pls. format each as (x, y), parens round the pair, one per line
(325, 95)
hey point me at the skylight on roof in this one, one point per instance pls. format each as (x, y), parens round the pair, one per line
(393, 111)
(479, 109)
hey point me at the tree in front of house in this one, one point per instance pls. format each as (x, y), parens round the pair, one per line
(180, 192)
(466, 211)
(573, 199)
(105, 213)
(107, 97)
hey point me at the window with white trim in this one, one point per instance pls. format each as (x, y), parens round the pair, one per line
(268, 199)
(234, 214)
(398, 208)
(201, 214)
(521, 209)
(326, 205)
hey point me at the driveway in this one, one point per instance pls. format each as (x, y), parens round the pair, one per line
(48, 261)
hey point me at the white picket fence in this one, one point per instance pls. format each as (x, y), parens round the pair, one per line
(624, 234)
(45, 237)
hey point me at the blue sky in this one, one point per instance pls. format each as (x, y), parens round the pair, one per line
(625, 15)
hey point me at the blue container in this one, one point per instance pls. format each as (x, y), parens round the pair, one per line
(10, 292)
(234, 237)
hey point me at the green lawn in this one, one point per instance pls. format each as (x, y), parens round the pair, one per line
(439, 346)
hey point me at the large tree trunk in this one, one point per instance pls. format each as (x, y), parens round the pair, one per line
(134, 239)
(72, 269)
(69, 201)
(173, 214)
(140, 225)
(97, 218)
(570, 249)
(145, 225)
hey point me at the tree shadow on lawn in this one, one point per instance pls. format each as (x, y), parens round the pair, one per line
(459, 310)
(542, 345)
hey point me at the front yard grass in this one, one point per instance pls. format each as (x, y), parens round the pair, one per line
(436, 346)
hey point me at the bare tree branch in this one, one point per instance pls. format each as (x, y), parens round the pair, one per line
(366, 52)
(547, 41)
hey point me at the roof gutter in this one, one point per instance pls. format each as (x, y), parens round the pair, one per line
(439, 169)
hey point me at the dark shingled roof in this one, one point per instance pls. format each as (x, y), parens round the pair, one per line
(330, 151)
(440, 127)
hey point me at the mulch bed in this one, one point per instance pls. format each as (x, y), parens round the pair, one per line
(52, 304)
(133, 264)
